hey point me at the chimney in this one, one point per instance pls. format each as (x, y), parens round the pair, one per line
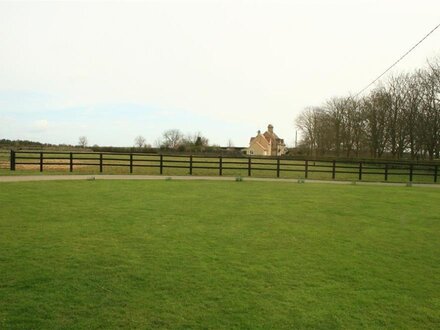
(270, 128)
(259, 132)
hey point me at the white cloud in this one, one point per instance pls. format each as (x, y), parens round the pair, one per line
(6, 121)
(41, 125)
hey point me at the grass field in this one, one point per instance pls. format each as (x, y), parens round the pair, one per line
(172, 254)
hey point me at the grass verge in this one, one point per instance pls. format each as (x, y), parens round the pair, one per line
(172, 254)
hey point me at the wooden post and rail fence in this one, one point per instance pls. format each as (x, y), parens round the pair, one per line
(218, 165)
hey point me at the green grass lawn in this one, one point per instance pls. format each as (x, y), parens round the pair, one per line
(173, 254)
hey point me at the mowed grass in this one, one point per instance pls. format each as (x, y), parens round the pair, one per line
(173, 254)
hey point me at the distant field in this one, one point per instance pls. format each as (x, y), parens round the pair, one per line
(4, 159)
(218, 255)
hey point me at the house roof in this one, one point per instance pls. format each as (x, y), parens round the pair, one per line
(272, 136)
(269, 136)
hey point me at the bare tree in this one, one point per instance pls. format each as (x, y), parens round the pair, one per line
(311, 123)
(430, 108)
(82, 141)
(195, 141)
(201, 141)
(335, 107)
(399, 118)
(396, 127)
(171, 139)
(375, 107)
(140, 142)
(413, 115)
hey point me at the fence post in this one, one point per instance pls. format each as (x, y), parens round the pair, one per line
(71, 162)
(12, 160)
(131, 163)
(190, 165)
(249, 166)
(306, 170)
(161, 164)
(410, 172)
(278, 167)
(220, 165)
(100, 163)
(360, 171)
(386, 171)
(435, 173)
(334, 170)
(41, 162)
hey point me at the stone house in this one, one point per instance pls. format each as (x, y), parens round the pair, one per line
(266, 144)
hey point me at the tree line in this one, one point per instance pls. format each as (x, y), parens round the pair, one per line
(171, 140)
(174, 139)
(400, 118)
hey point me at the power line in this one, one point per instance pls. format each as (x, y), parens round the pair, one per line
(409, 51)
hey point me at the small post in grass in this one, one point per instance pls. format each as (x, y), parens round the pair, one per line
(131, 163)
(161, 164)
(411, 172)
(386, 171)
(100, 163)
(360, 171)
(435, 173)
(249, 166)
(71, 163)
(41, 161)
(190, 165)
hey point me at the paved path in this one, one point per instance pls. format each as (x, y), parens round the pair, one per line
(21, 178)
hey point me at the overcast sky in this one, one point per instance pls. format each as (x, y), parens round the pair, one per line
(112, 71)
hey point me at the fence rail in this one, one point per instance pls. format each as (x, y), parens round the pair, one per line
(276, 166)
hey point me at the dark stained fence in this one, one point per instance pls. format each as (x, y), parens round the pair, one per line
(217, 165)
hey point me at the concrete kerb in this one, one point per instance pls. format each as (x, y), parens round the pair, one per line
(192, 178)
